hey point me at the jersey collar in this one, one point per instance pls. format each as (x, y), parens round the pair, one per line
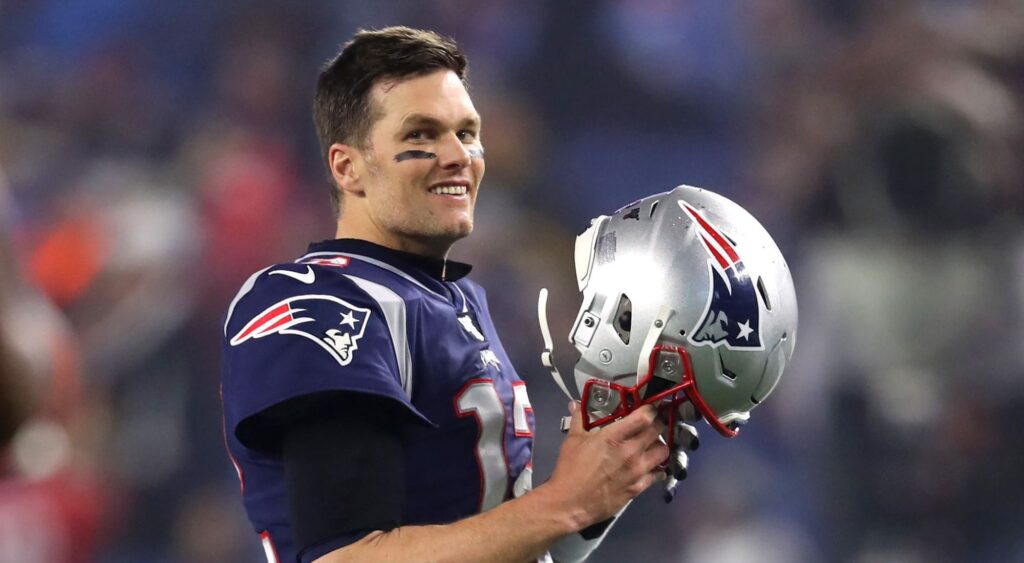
(421, 267)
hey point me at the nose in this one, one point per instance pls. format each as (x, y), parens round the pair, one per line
(452, 154)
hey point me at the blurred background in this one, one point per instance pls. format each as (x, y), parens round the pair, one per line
(154, 154)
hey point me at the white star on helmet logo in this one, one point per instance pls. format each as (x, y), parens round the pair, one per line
(745, 330)
(349, 319)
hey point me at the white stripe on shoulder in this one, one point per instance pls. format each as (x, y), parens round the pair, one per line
(465, 302)
(377, 263)
(246, 288)
(393, 307)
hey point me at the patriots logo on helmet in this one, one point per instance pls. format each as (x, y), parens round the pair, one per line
(732, 316)
(334, 324)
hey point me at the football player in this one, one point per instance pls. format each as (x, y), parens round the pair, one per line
(370, 409)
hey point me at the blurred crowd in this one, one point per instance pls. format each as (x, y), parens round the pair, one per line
(153, 155)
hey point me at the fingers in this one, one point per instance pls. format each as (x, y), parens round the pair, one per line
(677, 470)
(647, 481)
(685, 439)
(678, 464)
(575, 419)
(654, 455)
(643, 482)
(688, 412)
(652, 433)
(685, 436)
(635, 423)
(670, 489)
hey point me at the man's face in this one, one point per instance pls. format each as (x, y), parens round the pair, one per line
(424, 161)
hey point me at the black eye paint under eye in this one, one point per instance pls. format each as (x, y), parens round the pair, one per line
(410, 154)
(474, 152)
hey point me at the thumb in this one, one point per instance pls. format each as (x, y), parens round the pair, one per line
(576, 414)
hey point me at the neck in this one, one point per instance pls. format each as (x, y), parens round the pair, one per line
(349, 228)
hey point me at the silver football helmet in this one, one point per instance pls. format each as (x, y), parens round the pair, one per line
(687, 304)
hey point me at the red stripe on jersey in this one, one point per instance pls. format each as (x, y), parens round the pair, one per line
(285, 319)
(258, 322)
(338, 262)
(269, 548)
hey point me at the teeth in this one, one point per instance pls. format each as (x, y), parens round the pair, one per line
(448, 190)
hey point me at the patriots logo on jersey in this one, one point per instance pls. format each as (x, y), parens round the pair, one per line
(470, 327)
(732, 315)
(334, 324)
(489, 358)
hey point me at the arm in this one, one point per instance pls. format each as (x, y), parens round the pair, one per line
(573, 548)
(597, 473)
(577, 547)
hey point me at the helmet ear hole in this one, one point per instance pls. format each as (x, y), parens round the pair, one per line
(728, 373)
(623, 319)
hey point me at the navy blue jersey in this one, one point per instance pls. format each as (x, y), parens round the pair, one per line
(354, 316)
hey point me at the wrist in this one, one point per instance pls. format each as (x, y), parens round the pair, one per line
(565, 516)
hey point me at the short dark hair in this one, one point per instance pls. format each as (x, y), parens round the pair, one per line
(341, 107)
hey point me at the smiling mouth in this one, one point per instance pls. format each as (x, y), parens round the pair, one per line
(450, 189)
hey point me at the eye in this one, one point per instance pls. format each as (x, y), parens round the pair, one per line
(466, 135)
(417, 135)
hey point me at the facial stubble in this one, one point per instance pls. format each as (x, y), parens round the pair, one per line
(395, 213)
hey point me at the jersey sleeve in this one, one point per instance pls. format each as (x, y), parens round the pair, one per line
(294, 334)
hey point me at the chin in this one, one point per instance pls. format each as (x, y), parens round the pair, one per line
(442, 234)
(467, 227)
(461, 231)
(460, 228)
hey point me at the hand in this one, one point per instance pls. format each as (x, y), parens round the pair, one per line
(685, 440)
(598, 472)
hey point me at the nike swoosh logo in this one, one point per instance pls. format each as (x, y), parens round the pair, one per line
(306, 278)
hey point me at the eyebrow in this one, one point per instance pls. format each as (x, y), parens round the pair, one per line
(419, 119)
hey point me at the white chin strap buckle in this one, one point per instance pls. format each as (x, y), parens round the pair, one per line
(546, 357)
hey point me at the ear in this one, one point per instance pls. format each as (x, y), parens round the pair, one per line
(345, 165)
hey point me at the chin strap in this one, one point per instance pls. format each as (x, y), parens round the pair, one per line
(653, 335)
(546, 357)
